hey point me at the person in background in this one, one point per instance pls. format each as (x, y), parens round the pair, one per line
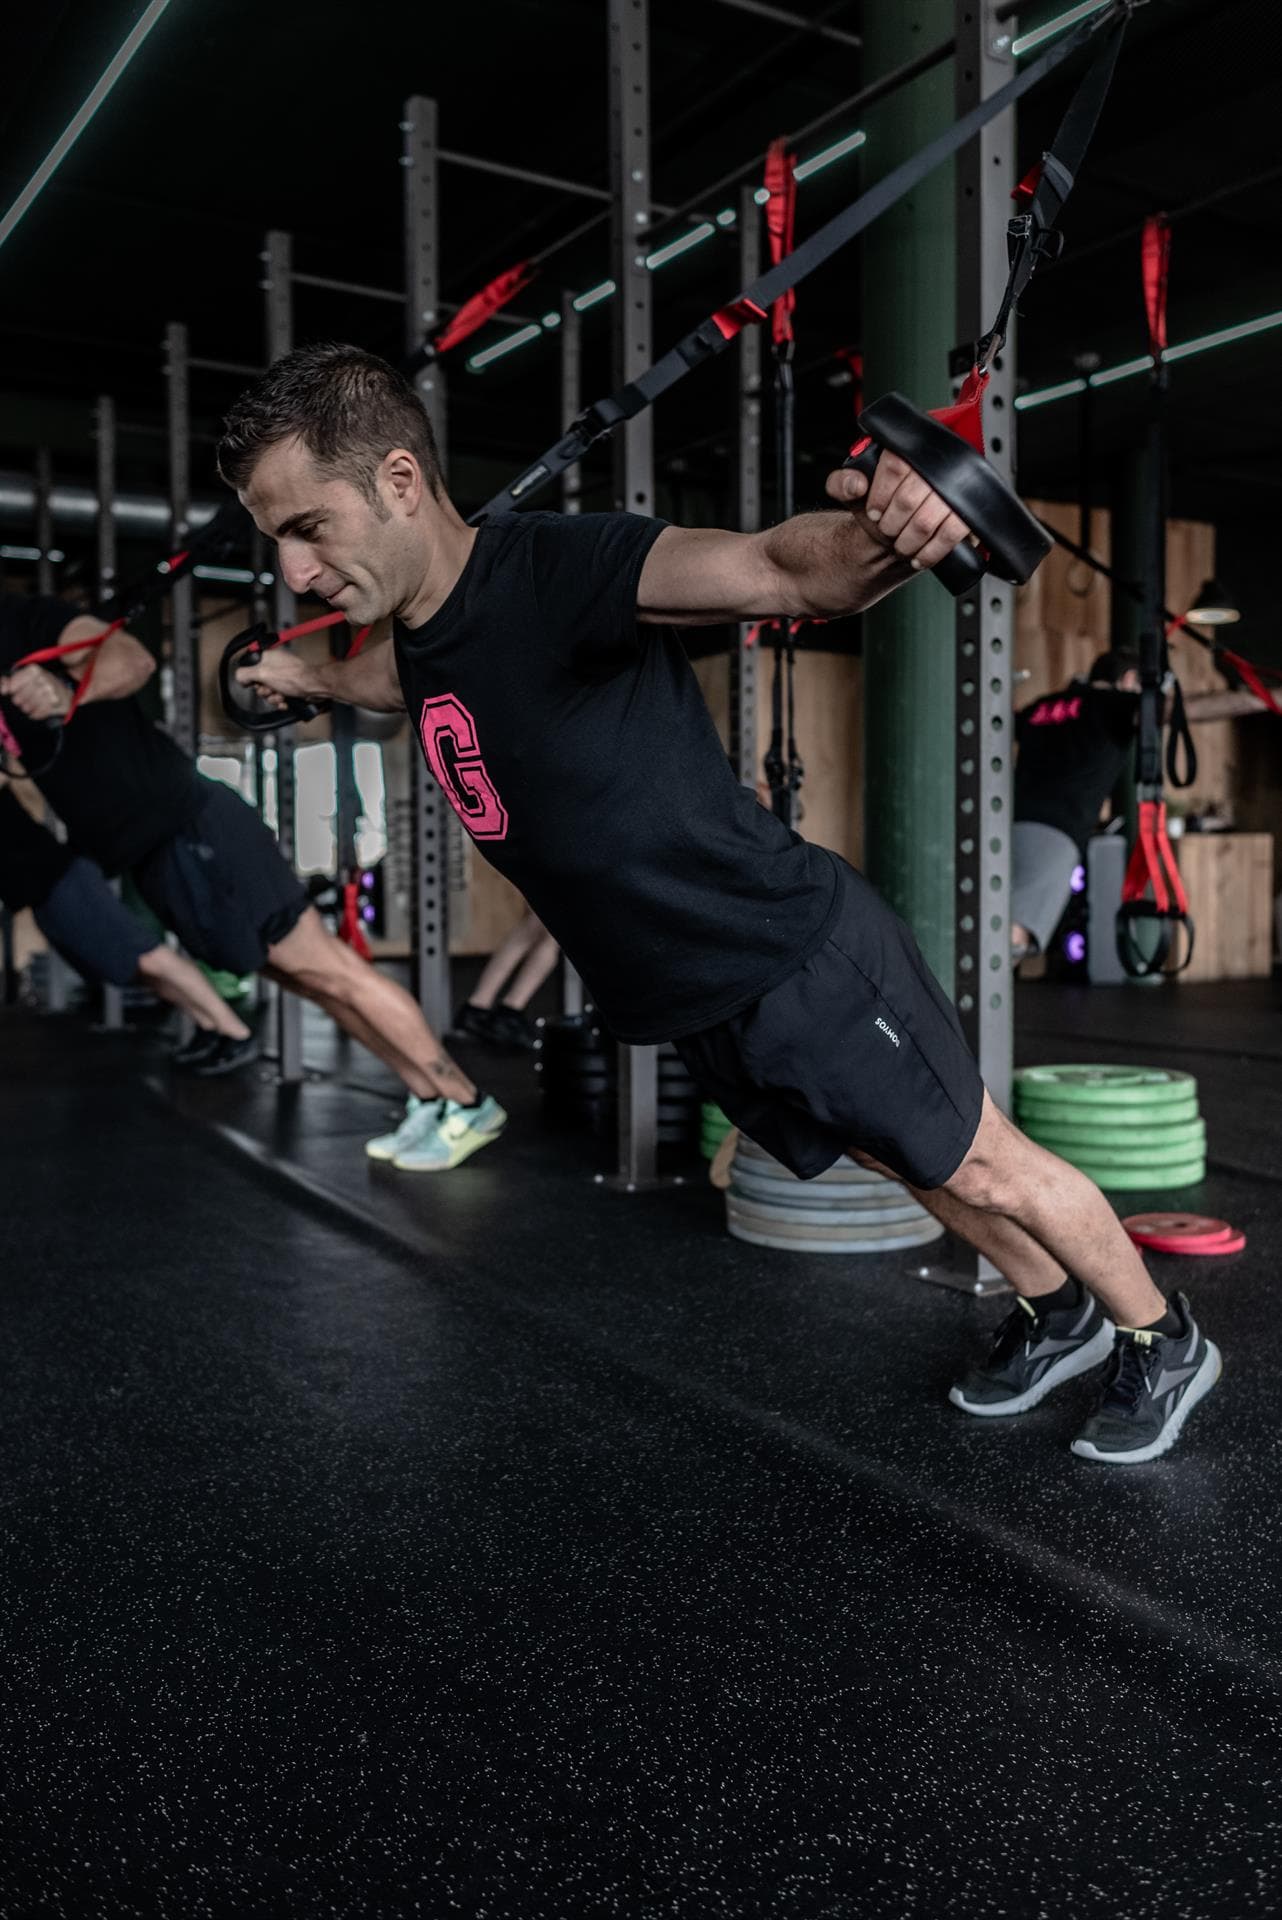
(1074, 746)
(521, 964)
(210, 871)
(82, 919)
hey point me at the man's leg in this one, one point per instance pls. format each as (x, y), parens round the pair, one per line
(1011, 1180)
(372, 1008)
(534, 970)
(1160, 1362)
(177, 979)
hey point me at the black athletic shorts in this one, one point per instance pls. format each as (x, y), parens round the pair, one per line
(83, 920)
(860, 1048)
(222, 885)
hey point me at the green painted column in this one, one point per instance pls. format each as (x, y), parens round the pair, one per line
(909, 640)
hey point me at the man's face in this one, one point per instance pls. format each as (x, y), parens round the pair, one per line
(330, 540)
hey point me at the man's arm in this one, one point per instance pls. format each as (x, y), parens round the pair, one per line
(1221, 704)
(370, 680)
(818, 564)
(123, 667)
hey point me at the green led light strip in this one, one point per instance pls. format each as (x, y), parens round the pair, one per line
(67, 140)
(1126, 369)
(673, 250)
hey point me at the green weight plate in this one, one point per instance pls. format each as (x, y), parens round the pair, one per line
(783, 1242)
(711, 1111)
(1078, 1132)
(1112, 1086)
(1137, 1153)
(1078, 1114)
(1144, 1179)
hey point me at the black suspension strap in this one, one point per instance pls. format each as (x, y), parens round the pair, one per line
(713, 335)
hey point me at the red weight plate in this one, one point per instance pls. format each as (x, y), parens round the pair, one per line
(1172, 1226)
(1154, 1243)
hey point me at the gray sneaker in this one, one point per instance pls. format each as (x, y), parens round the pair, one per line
(1151, 1388)
(1032, 1355)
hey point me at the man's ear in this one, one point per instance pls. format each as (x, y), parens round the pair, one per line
(403, 478)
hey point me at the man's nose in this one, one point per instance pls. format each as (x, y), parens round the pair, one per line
(298, 564)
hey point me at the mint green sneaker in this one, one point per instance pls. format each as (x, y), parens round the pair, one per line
(455, 1133)
(420, 1117)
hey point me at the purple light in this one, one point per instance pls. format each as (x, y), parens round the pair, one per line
(1075, 946)
(367, 913)
(1078, 881)
(367, 881)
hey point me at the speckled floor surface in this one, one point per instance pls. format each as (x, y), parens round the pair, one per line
(501, 1546)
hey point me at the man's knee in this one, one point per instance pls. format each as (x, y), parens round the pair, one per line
(155, 964)
(989, 1178)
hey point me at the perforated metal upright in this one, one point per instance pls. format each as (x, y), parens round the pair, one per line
(634, 445)
(181, 681)
(743, 658)
(429, 885)
(113, 1000)
(278, 290)
(986, 618)
(571, 502)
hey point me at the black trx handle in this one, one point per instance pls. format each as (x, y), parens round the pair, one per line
(1013, 541)
(246, 650)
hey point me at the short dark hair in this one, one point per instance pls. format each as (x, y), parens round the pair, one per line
(1113, 666)
(349, 409)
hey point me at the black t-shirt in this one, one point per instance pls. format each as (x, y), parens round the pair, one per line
(118, 783)
(576, 748)
(31, 861)
(1074, 747)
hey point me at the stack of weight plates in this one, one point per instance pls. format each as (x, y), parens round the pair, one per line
(1129, 1128)
(846, 1210)
(713, 1129)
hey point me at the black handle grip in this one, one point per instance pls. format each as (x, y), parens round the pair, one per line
(246, 650)
(958, 570)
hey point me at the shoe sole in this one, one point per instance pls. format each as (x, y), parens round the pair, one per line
(226, 1066)
(1096, 1350)
(456, 1159)
(1203, 1380)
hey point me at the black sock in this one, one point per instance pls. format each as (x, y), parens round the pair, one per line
(1170, 1322)
(1069, 1294)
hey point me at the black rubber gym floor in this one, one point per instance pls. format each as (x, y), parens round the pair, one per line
(501, 1545)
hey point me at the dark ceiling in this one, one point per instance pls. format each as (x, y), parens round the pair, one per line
(237, 117)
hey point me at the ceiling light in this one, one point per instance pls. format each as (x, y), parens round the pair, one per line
(68, 138)
(674, 248)
(1224, 337)
(594, 296)
(500, 347)
(1060, 24)
(818, 161)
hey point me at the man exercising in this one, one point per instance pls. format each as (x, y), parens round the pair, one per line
(209, 869)
(566, 728)
(83, 920)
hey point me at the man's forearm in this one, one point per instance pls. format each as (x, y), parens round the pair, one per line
(834, 562)
(367, 681)
(121, 666)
